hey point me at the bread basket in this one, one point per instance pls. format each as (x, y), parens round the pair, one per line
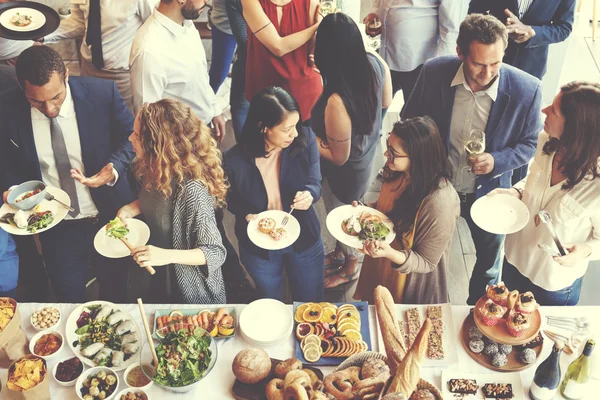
(357, 360)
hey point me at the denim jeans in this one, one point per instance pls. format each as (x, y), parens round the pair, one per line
(237, 97)
(304, 272)
(514, 280)
(223, 47)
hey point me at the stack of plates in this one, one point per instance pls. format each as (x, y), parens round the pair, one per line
(266, 322)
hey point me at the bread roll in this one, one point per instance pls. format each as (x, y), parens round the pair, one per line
(251, 365)
(283, 367)
(390, 331)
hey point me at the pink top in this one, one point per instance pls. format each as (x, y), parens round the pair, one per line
(269, 168)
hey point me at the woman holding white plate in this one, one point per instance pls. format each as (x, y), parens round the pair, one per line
(181, 181)
(564, 180)
(419, 198)
(275, 166)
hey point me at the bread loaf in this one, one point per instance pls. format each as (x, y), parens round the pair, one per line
(390, 331)
(251, 365)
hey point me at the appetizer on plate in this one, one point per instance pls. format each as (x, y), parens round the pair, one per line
(38, 219)
(116, 229)
(365, 226)
(268, 226)
(21, 20)
(28, 194)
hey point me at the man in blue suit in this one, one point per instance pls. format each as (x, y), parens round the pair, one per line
(60, 129)
(476, 91)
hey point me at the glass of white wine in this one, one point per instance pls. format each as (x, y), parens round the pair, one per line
(327, 7)
(475, 144)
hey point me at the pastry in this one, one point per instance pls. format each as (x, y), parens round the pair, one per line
(393, 339)
(526, 303)
(497, 391)
(463, 386)
(527, 356)
(339, 384)
(476, 345)
(318, 395)
(375, 368)
(475, 333)
(315, 382)
(274, 389)
(278, 233)
(491, 313)
(517, 323)
(490, 349)
(394, 396)
(422, 394)
(251, 365)
(283, 367)
(295, 391)
(499, 360)
(414, 324)
(498, 294)
(369, 388)
(505, 348)
(266, 225)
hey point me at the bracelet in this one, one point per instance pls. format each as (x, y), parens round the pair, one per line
(519, 190)
(345, 275)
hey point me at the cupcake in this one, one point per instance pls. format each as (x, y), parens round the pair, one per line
(517, 323)
(526, 303)
(498, 294)
(491, 313)
(476, 345)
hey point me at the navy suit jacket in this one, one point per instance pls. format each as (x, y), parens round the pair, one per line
(248, 195)
(552, 21)
(104, 124)
(513, 125)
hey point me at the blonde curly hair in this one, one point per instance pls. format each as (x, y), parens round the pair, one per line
(177, 146)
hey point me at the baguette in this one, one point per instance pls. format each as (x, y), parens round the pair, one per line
(390, 330)
(408, 373)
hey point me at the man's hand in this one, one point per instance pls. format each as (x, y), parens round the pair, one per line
(219, 127)
(482, 164)
(518, 31)
(5, 196)
(106, 175)
(369, 18)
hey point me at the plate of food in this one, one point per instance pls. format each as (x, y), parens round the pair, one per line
(218, 322)
(501, 214)
(22, 19)
(101, 334)
(353, 225)
(109, 240)
(266, 231)
(328, 333)
(466, 386)
(40, 218)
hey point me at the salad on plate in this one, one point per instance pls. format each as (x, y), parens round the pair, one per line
(366, 226)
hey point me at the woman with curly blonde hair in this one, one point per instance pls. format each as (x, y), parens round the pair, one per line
(181, 181)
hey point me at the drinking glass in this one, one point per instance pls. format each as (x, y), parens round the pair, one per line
(373, 31)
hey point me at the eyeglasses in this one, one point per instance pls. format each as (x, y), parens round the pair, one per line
(393, 154)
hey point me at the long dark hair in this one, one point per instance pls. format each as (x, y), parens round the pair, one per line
(580, 143)
(341, 57)
(429, 166)
(268, 109)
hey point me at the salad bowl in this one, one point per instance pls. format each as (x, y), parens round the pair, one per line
(27, 195)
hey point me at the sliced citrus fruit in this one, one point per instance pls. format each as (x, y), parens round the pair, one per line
(352, 334)
(312, 354)
(299, 311)
(312, 338)
(175, 313)
(347, 325)
(326, 304)
(328, 315)
(226, 330)
(347, 307)
(312, 313)
(215, 331)
(303, 330)
(348, 314)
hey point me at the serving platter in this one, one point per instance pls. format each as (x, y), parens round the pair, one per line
(37, 18)
(51, 23)
(501, 214)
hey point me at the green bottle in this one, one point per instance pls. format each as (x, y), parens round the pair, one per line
(578, 373)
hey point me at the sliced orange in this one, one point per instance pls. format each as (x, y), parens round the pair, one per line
(299, 311)
(353, 334)
(344, 318)
(312, 313)
(329, 315)
(346, 326)
(326, 304)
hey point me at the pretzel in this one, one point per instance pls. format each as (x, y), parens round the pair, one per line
(339, 384)
(274, 390)
(369, 388)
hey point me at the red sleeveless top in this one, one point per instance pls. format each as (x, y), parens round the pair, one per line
(291, 71)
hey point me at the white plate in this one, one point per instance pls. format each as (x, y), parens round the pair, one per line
(264, 240)
(71, 327)
(500, 214)
(37, 19)
(138, 235)
(449, 338)
(266, 321)
(514, 378)
(341, 213)
(57, 209)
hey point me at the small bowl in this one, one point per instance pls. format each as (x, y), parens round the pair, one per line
(37, 328)
(130, 390)
(128, 370)
(38, 335)
(30, 202)
(69, 383)
(92, 372)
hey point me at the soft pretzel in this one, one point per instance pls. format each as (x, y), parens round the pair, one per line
(315, 382)
(339, 384)
(368, 388)
(295, 391)
(274, 390)
(283, 367)
(318, 395)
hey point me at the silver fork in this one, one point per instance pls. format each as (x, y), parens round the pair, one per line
(286, 218)
(572, 326)
(568, 319)
(49, 197)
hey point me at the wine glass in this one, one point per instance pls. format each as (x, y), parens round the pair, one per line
(373, 31)
(327, 7)
(475, 144)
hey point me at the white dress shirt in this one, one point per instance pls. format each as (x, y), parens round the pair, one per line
(12, 48)
(168, 61)
(67, 119)
(120, 20)
(576, 216)
(470, 111)
(524, 7)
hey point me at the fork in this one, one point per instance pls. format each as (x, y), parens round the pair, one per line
(49, 197)
(569, 319)
(286, 218)
(572, 326)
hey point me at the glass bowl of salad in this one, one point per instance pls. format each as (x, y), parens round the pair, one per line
(27, 195)
(185, 357)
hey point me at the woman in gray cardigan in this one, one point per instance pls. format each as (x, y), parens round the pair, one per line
(418, 197)
(181, 180)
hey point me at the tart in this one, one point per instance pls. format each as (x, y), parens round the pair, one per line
(278, 234)
(526, 303)
(266, 225)
(517, 323)
(498, 294)
(491, 312)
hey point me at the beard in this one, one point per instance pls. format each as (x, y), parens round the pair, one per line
(189, 12)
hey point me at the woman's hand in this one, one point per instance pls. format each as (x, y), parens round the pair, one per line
(356, 203)
(124, 214)
(150, 256)
(577, 253)
(250, 217)
(512, 192)
(377, 249)
(303, 200)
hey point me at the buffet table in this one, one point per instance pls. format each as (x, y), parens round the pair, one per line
(217, 385)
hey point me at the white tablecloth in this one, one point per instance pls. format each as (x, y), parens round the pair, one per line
(217, 385)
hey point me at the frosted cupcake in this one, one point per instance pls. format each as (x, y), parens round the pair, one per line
(517, 323)
(526, 303)
(498, 294)
(491, 313)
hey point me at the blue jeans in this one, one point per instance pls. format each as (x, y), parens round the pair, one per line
(487, 250)
(514, 280)
(237, 96)
(223, 46)
(305, 272)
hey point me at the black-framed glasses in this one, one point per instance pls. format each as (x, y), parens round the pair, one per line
(393, 154)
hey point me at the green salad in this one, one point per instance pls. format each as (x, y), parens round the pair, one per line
(183, 357)
(116, 229)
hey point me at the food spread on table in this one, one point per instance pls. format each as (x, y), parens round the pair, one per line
(34, 221)
(218, 323)
(366, 226)
(26, 373)
(21, 20)
(47, 344)
(7, 312)
(45, 318)
(69, 370)
(116, 229)
(99, 386)
(269, 226)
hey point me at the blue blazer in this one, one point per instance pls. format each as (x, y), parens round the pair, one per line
(248, 195)
(104, 124)
(552, 21)
(513, 125)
